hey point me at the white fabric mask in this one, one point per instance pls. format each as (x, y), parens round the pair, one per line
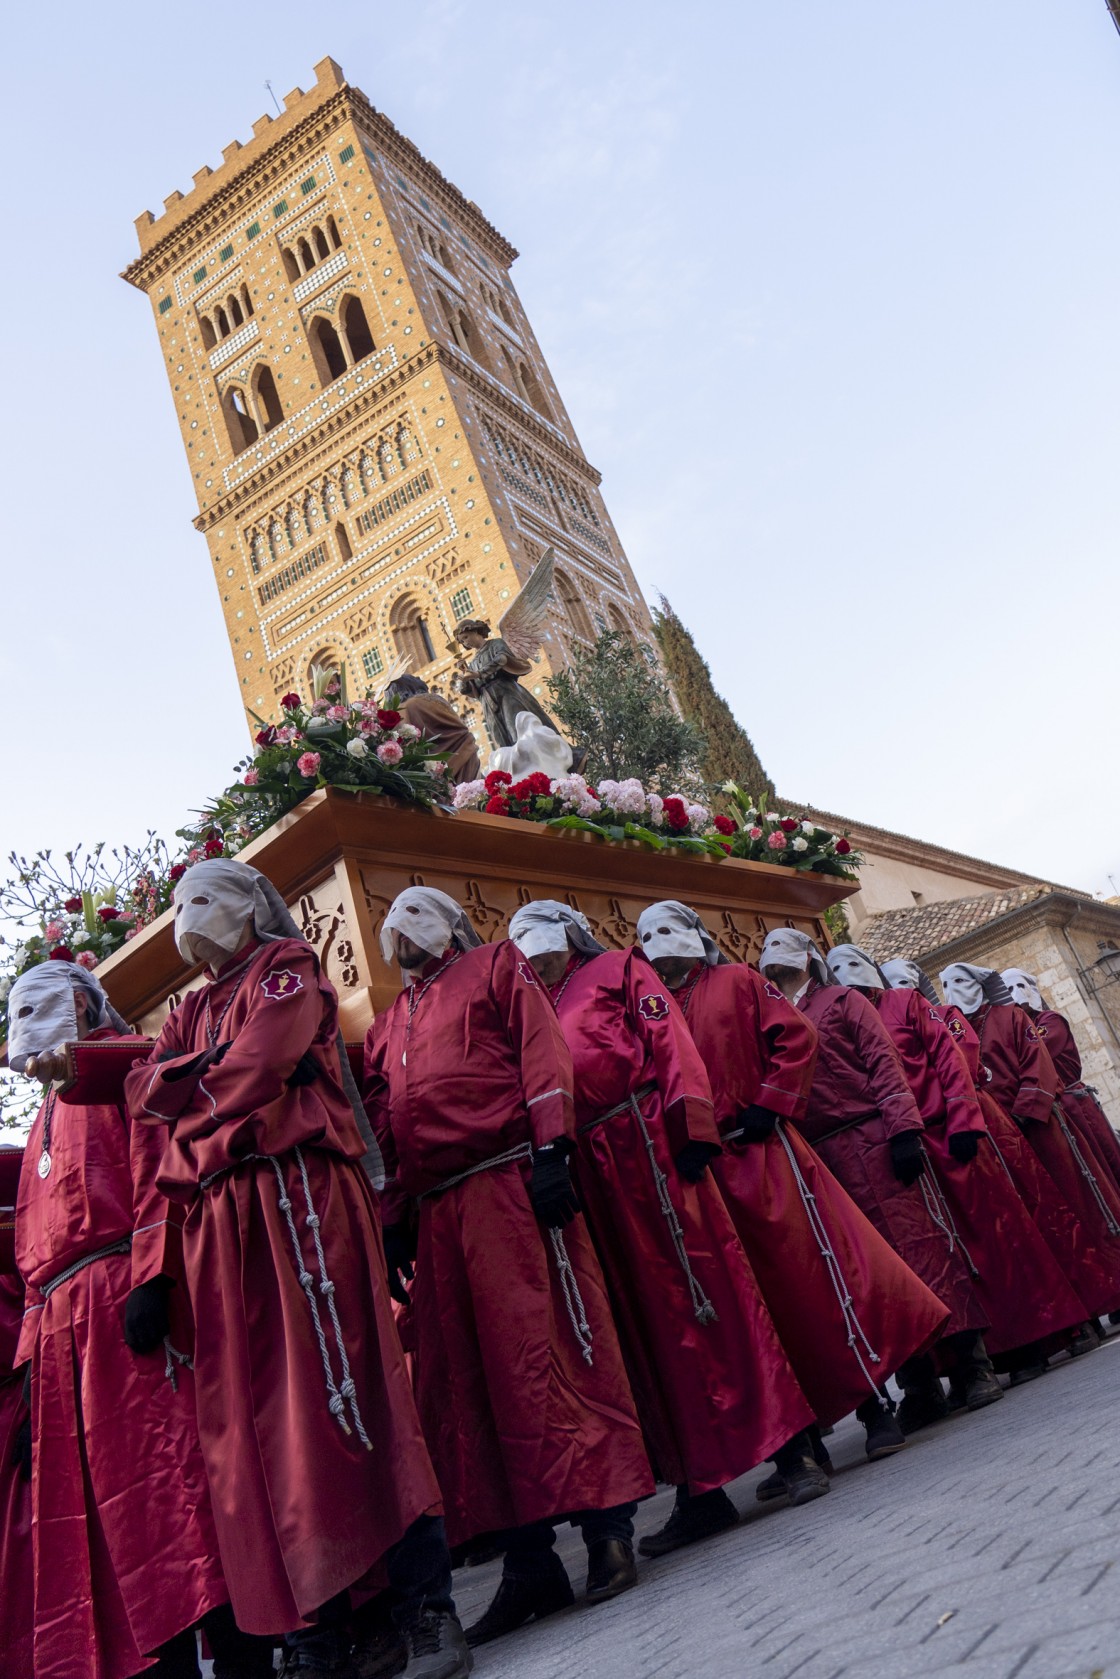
(213, 900)
(547, 924)
(430, 919)
(787, 947)
(43, 1014)
(672, 929)
(962, 989)
(904, 975)
(850, 965)
(1023, 988)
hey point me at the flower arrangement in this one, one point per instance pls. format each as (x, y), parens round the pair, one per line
(770, 836)
(615, 810)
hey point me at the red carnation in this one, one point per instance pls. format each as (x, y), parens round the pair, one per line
(177, 872)
(290, 702)
(842, 847)
(540, 783)
(724, 825)
(676, 816)
(266, 737)
(497, 807)
(388, 719)
(522, 790)
(725, 845)
(497, 779)
(73, 906)
(214, 847)
(108, 913)
(61, 953)
(789, 825)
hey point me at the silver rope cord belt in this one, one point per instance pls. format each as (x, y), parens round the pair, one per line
(832, 1265)
(941, 1213)
(702, 1308)
(1086, 1172)
(123, 1246)
(569, 1284)
(340, 1394)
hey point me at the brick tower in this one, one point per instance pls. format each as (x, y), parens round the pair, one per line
(377, 445)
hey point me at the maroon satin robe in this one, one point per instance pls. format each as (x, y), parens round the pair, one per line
(1078, 1101)
(1018, 1281)
(125, 1549)
(759, 1049)
(861, 1099)
(1017, 1073)
(17, 1577)
(714, 1397)
(470, 1065)
(304, 1508)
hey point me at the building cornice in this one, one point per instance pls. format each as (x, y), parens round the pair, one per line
(1053, 909)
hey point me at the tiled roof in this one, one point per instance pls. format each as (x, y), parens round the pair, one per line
(914, 932)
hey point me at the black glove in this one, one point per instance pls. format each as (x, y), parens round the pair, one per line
(198, 1064)
(694, 1159)
(756, 1123)
(21, 1450)
(963, 1146)
(551, 1189)
(146, 1317)
(1022, 1121)
(907, 1160)
(305, 1071)
(400, 1251)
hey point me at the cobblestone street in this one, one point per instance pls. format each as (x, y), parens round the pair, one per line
(987, 1549)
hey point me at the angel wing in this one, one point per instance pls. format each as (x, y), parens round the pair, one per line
(522, 623)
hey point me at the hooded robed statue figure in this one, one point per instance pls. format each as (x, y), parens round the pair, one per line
(493, 675)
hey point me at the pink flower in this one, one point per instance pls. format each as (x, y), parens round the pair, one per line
(86, 958)
(755, 833)
(308, 764)
(251, 777)
(54, 931)
(338, 713)
(777, 840)
(390, 752)
(436, 768)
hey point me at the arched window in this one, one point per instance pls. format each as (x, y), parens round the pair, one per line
(342, 538)
(291, 266)
(444, 256)
(256, 552)
(618, 622)
(270, 411)
(303, 251)
(573, 606)
(367, 471)
(407, 447)
(330, 501)
(346, 485)
(233, 308)
(209, 337)
(326, 350)
(410, 632)
(311, 515)
(220, 322)
(332, 233)
(319, 240)
(276, 543)
(329, 660)
(293, 524)
(355, 329)
(240, 423)
(247, 301)
(386, 460)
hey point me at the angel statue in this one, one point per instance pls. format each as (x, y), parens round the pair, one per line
(492, 675)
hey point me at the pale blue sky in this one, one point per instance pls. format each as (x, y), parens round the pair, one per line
(831, 294)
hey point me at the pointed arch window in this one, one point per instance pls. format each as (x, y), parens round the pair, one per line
(411, 635)
(355, 333)
(326, 350)
(270, 410)
(577, 614)
(240, 424)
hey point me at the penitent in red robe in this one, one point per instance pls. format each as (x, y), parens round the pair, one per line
(1018, 1281)
(715, 1397)
(860, 1099)
(17, 1579)
(125, 1549)
(520, 1426)
(758, 1049)
(1078, 1101)
(304, 1507)
(1018, 1074)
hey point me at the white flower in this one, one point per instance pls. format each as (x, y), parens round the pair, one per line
(698, 818)
(772, 816)
(357, 747)
(729, 787)
(799, 844)
(468, 793)
(407, 731)
(808, 827)
(589, 806)
(437, 768)
(656, 809)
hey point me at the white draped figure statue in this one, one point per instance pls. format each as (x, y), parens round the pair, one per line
(537, 747)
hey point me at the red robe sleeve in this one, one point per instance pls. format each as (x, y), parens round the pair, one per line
(658, 1024)
(255, 1070)
(396, 1206)
(876, 1054)
(962, 1105)
(157, 1231)
(789, 1052)
(538, 1040)
(1038, 1079)
(1061, 1046)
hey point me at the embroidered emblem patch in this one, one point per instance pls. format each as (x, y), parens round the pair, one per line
(1040, 1031)
(653, 1007)
(281, 982)
(1032, 1035)
(957, 1028)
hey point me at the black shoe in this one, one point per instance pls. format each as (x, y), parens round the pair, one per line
(884, 1436)
(1085, 1341)
(610, 1569)
(437, 1647)
(1028, 1373)
(922, 1406)
(773, 1487)
(804, 1481)
(690, 1522)
(518, 1601)
(381, 1655)
(983, 1388)
(296, 1664)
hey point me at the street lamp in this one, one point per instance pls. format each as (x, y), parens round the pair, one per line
(1106, 969)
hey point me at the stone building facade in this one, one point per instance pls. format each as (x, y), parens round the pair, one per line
(376, 442)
